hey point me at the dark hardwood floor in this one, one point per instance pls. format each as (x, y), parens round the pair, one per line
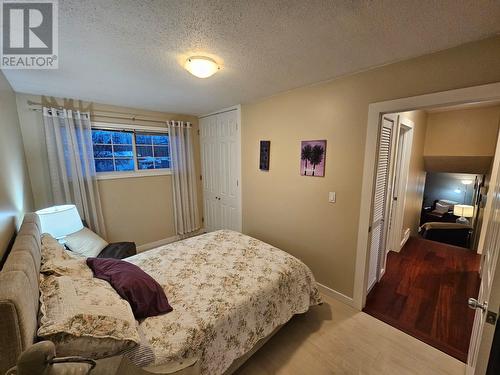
(424, 293)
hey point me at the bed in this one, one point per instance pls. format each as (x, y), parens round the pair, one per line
(230, 294)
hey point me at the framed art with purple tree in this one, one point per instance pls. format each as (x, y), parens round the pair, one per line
(312, 158)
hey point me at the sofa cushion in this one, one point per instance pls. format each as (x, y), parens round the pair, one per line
(118, 250)
(145, 295)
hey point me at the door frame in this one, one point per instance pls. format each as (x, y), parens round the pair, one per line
(483, 93)
(401, 170)
(238, 152)
(477, 94)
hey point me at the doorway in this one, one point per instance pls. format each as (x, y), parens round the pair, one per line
(446, 195)
(421, 284)
(398, 235)
(362, 279)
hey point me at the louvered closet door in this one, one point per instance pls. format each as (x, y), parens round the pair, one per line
(220, 153)
(379, 205)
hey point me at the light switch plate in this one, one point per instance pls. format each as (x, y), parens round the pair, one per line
(332, 197)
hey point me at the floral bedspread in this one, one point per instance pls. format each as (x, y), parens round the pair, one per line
(228, 291)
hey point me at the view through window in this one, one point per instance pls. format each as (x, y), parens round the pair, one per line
(124, 150)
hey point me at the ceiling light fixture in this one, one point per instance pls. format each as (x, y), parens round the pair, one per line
(201, 67)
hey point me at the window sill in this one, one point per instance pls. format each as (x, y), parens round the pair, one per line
(132, 174)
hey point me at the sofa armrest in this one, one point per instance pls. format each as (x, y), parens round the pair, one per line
(118, 250)
(444, 226)
(41, 358)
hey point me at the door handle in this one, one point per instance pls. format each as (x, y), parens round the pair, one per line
(475, 304)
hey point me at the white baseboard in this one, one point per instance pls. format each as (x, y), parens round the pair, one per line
(165, 241)
(152, 245)
(371, 284)
(334, 294)
(405, 238)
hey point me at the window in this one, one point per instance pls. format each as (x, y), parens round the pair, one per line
(152, 150)
(113, 150)
(129, 150)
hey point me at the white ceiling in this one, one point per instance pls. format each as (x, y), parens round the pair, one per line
(129, 52)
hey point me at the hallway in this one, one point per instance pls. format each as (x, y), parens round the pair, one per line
(424, 293)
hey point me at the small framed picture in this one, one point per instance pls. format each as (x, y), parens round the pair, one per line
(265, 149)
(312, 158)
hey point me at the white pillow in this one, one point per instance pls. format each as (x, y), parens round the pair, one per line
(441, 208)
(446, 202)
(85, 242)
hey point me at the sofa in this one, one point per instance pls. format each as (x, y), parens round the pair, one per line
(449, 233)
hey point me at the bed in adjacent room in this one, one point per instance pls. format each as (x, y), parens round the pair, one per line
(229, 293)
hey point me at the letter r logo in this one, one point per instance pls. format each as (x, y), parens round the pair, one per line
(27, 27)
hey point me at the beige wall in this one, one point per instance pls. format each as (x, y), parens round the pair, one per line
(416, 173)
(138, 209)
(15, 189)
(461, 141)
(466, 132)
(292, 211)
(135, 209)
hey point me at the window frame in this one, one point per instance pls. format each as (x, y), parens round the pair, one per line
(112, 175)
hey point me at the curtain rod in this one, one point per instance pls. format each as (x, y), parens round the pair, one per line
(126, 116)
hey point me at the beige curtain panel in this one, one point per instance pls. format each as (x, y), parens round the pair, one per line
(68, 136)
(187, 217)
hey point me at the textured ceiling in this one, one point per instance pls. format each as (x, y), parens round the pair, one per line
(130, 52)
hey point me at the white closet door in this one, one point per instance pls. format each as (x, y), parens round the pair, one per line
(210, 172)
(379, 205)
(220, 152)
(228, 144)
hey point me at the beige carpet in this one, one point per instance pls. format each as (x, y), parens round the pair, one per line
(337, 339)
